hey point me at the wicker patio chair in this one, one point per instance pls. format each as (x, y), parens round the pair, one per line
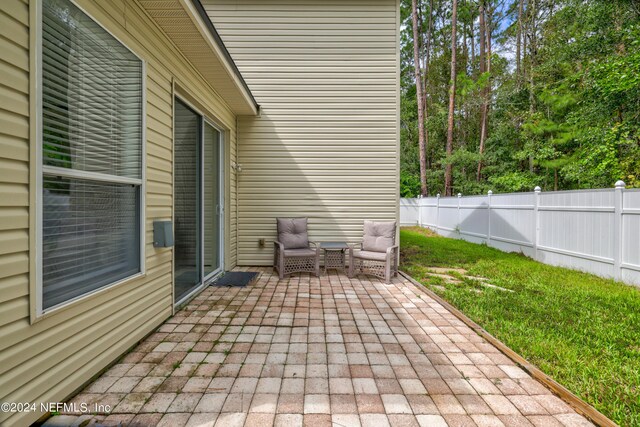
(293, 252)
(377, 254)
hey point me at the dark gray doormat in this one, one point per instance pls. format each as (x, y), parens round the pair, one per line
(236, 278)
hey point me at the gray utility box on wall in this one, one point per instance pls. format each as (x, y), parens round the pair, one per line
(162, 234)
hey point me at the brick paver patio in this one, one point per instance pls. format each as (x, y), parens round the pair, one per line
(328, 351)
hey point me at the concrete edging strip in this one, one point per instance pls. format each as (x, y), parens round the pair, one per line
(574, 401)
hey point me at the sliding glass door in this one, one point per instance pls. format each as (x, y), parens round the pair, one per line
(198, 206)
(187, 136)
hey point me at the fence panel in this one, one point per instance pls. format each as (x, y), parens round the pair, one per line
(409, 211)
(448, 218)
(630, 263)
(473, 220)
(513, 222)
(577, 230)
(597, 231)
(429, 212)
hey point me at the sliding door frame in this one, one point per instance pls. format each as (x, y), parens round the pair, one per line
(219, 211)
(204, 279)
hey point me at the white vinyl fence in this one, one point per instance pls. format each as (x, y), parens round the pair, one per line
(597, 231)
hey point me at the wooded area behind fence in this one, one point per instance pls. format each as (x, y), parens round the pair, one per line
(596, 231)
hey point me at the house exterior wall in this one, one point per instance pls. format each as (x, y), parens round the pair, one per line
(47, 358)
(326, 145)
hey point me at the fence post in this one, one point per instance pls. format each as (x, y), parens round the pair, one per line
(458, 226)
(617, 230)
(437, 212)
(536, 220)
(420, 210)
(489, 193)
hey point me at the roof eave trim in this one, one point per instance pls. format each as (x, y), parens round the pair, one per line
(225, 53)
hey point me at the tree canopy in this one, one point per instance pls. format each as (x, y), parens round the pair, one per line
(554, 83)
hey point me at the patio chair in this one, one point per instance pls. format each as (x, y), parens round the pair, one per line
(377, 254)
(293, 252)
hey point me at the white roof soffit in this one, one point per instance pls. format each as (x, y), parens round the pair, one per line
(186, 23)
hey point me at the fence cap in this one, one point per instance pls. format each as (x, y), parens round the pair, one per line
(459, 194)
(537, 189)
(489, 192)
(438, 195)
(620, 184)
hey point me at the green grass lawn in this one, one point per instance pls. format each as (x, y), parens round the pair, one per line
(582, 330)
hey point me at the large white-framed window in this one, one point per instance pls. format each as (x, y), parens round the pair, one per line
(91, 132)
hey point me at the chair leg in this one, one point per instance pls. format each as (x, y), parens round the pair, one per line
(275, 262)
(395, 265)
(351, 262)
(387, 272)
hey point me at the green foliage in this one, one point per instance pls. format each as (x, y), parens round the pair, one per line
(569, 120)
(409, 184)
(514, 182)
(582, 330)
(598, 163)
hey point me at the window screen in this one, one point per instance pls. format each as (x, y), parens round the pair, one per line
(91, 154)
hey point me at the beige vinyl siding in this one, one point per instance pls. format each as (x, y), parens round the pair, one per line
(46, 359)
(325, 73)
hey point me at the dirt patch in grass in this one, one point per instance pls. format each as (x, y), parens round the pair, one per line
(408, 253)
(421, 231)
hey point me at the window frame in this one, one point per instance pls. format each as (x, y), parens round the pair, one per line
(41, 170)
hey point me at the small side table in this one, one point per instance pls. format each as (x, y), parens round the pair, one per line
(334, 255)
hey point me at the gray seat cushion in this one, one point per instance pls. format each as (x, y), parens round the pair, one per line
(292, 232)
(299, 252)
(375, 256)
(378, 236)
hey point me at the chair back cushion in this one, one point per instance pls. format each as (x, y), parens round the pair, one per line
(378, 236)
(292, 232)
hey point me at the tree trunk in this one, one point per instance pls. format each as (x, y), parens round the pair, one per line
(425, 105)
(425, 68)
(532, 53)
(519, 41)
(485, 53)
(481, 36)
(473, 41)
(421, 128)
(464, 107)
(489, 88)
(532, 60)
(525, 28)
(465, 49)
(448, 176)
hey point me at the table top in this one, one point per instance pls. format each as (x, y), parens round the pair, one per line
(333, 245)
